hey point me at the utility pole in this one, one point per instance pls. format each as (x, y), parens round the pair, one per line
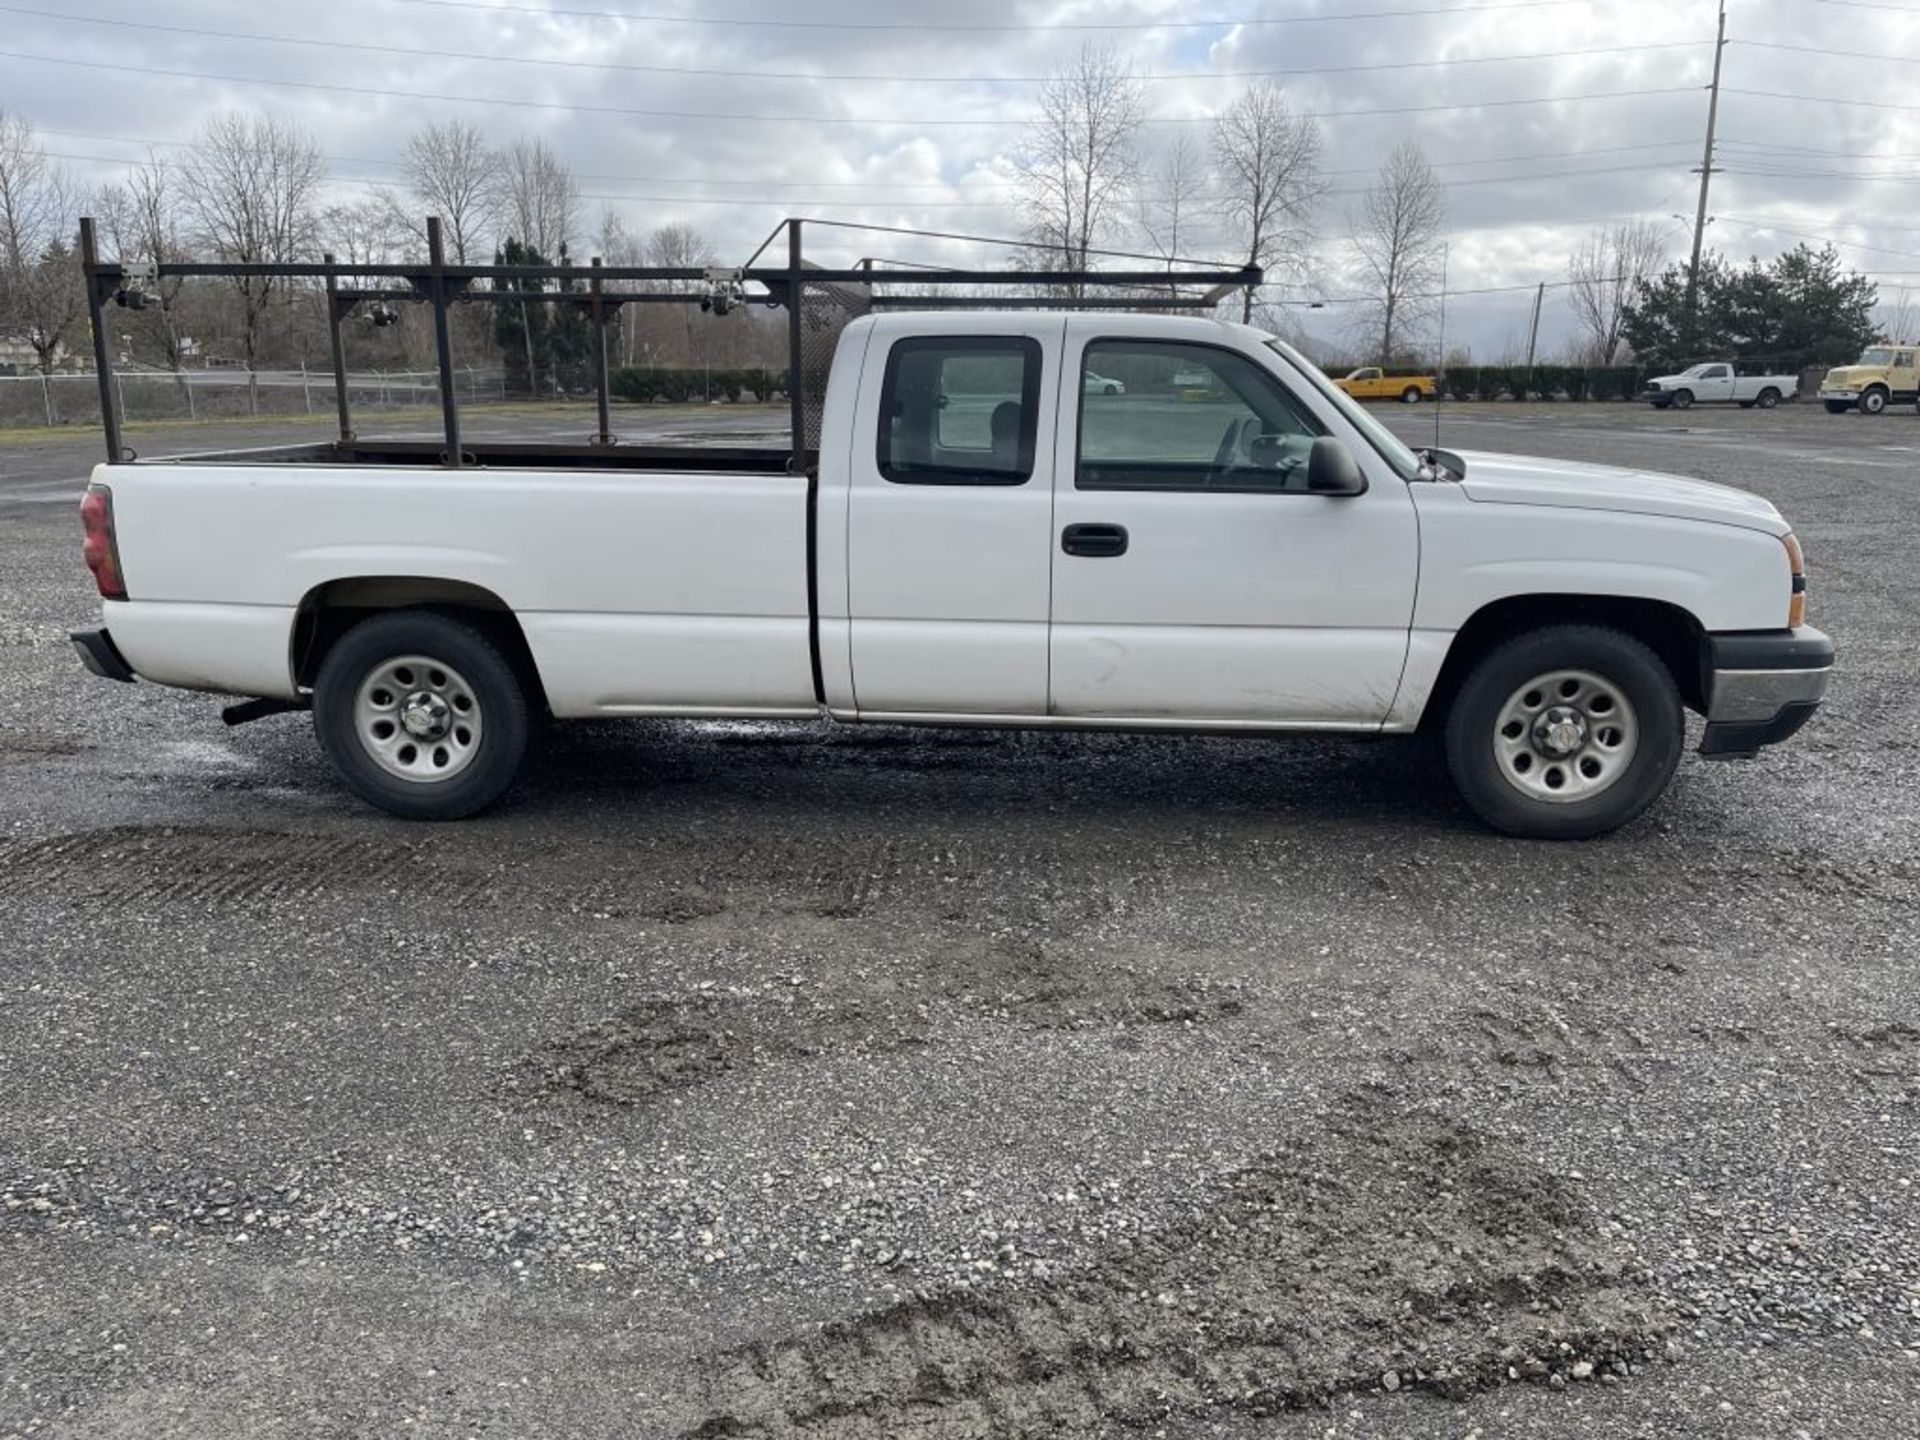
(1533, 332)
(1706, 177)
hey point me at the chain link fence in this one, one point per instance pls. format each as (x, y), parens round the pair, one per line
(73, 398)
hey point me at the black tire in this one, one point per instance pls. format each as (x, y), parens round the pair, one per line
(1683, 399)
(1837, 407)
(1873, 400)
(1113, 390)
(498, 699)
(1410, 395)
(1767, 398)
(1619, 659)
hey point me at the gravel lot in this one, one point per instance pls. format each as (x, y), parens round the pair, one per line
(739, 1080)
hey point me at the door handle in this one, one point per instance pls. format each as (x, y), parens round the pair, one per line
(1094, 541)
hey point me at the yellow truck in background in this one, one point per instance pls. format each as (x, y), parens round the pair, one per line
(1370, 382)
(1882, 376)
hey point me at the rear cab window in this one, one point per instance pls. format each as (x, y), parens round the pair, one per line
(960, 410)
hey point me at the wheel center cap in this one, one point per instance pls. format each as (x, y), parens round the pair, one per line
(1560, 731)
(424, 715)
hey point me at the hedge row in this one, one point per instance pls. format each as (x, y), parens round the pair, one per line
(1544, 382)
(680, 385)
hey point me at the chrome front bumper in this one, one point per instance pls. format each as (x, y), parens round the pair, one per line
(1763, 685)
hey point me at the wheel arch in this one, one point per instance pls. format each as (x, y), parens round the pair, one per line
(329, 610)
(1671, 631)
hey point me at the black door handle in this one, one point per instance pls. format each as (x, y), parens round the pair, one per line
(1094, 541)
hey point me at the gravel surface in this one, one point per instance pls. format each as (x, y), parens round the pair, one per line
(762, 1081)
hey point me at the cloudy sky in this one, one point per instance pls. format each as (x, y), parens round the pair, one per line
(1545, 117)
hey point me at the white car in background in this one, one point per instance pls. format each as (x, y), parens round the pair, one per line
(1716, 383)
(1094, 384)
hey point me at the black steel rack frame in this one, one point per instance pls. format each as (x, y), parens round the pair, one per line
(818, 300)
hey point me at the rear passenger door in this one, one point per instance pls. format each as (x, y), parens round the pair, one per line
(949, 516)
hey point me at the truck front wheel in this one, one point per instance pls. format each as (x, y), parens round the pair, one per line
(1683, 399)
(1565, 733)
(1873, 400)
(421, 714)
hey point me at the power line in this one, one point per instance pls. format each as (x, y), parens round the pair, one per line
(879, 120)
(1839, 54)
(999, 200)
(1871, 5)
(885, 186)
(734, 73)
(656, 18)
(1769, 225)
(1820, 99)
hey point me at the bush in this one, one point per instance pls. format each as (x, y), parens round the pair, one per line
(681, 385)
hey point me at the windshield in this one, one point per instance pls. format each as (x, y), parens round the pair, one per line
(1404, 462)
(1877, 356)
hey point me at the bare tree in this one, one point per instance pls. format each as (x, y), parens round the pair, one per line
(680, 247)
(1269, 162)
(141, 222)
(1397, 238)
(40, 295)
(1902, 312)
(540, 197)
(617, 245)
(251, 183)
(1605, 273)
(365, 231)
(1173, 212)
(452, 172)
(1081, 156)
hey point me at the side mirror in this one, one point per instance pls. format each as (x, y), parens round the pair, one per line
(1332, 470)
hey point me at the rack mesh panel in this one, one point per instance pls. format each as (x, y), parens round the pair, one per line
(826, 309)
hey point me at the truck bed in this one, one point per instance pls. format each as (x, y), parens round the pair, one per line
(639, 589)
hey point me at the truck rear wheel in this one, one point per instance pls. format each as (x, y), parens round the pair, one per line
(1410, 395)
(1565, 733)
(421, 714)
(1767, 398)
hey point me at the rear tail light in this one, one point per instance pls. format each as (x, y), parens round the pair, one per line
(1797, 601)
(101, 549)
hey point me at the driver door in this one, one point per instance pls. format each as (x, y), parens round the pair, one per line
(1195, 579)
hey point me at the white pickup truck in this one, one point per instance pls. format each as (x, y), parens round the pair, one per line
(1716, 384)
(981, 544)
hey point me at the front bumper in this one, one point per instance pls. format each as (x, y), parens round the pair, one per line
(100, 655)
(1851, 397)
(1762, 686)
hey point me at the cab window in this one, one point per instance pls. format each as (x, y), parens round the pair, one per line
(1903, 360)
(1192, 417)
(960, 410)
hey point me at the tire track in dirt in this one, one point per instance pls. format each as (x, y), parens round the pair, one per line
(670, 1043)
(223, 868)
(1388, 1243)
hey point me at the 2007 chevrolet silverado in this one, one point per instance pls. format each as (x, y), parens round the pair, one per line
(985, 543)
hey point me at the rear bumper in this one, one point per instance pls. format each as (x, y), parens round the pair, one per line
(1763, 686)
(100, 655)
